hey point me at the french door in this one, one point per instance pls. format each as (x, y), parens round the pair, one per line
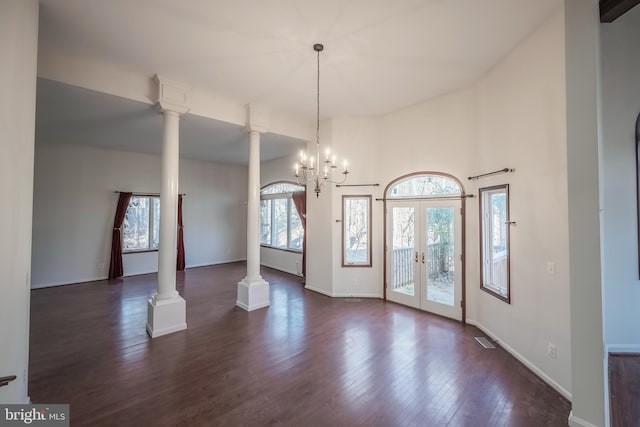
(424, 252)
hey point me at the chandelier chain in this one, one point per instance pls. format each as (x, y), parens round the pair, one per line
(312, 170)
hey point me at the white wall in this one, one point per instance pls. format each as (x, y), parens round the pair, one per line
(353, 140)
(512, 117)
(620, 109)
(74, 205)
(18, 50)
(522, 124)
(582, 64)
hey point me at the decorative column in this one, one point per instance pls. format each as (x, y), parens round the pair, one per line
(253, 290)
(167, 309)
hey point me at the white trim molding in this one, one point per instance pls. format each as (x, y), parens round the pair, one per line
(577, 422)
(526, 362)
(343, 295)
(622, 348)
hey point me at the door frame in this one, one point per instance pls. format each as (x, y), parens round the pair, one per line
(462, 197)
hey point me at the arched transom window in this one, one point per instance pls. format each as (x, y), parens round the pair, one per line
(426, 185)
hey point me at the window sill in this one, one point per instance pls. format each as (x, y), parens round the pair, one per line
(505, 298)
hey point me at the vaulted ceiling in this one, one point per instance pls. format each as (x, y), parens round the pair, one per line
(380, 56)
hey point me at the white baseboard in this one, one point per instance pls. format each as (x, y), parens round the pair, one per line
(320, 291)
(622, 348)
(72, 282)
(577, 422)
(342, 295)
(526, 362)
(137, 273)
(209, 264)
(356, 295)
(294, 273)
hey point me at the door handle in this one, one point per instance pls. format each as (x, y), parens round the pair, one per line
(423, 257)
(416, 257)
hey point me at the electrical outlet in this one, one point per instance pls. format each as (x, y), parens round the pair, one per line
(101, 267)
(552, 350)
(551, 267)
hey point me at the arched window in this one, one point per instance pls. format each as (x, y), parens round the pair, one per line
(427, 185)
(280, 225)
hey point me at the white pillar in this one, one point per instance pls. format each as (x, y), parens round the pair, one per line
(18, 50)
(169, 207)
(253, 290)
(253, 209)
(167, 311)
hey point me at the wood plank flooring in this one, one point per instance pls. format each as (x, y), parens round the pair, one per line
(624, 389)
(306, 360)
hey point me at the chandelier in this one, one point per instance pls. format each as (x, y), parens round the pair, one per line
(311, 169)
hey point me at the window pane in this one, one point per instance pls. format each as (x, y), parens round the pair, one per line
(356, 231)
(279, 223)
(495, 240)
(136, 225)
(426, 185)
(156, 223)
(281, 188)
(295, 228)
(265, 222)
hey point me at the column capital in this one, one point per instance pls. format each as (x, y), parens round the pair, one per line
(257, 118)
(171, 95)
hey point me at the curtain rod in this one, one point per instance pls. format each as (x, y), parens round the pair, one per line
(357, 185)
(400, 199)
(505, 170)
(144, 194)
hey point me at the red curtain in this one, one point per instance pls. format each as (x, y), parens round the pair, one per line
(115, 266)
(300, 201)
(180, 263)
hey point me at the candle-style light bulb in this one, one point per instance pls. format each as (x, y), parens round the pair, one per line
(311, 162)
(333, 160)
(296, 168)
(345, 165)
(326, 154)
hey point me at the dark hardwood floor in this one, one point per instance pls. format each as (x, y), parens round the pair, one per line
(306, 360)
(624, 389)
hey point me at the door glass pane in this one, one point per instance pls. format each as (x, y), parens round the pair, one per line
(440, 255)
(403, 250)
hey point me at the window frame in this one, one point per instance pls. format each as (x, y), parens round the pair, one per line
(493, 290)
(150, 199)
(288, 196)
(369, 262)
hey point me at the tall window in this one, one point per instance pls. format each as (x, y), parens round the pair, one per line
(494, 238)
(356, 231)
(280, 225)
(141, 226)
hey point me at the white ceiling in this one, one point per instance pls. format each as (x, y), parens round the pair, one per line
(380, 56)
(75, 115)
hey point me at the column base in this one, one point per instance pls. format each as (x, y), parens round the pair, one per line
(253, 295)
(166, 316)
